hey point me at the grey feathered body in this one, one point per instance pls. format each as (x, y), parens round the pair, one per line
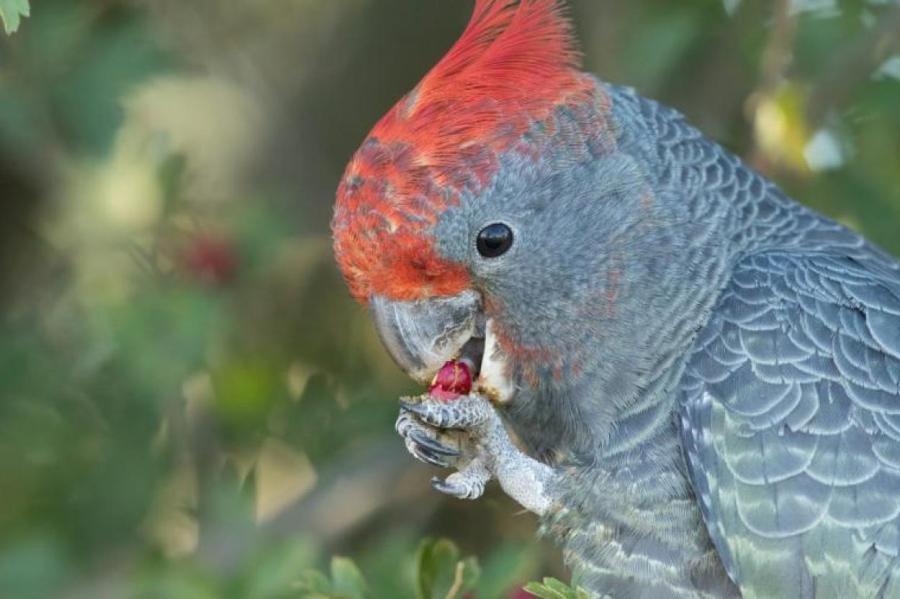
(752, 431)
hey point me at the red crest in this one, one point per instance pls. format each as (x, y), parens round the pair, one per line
(515, 62)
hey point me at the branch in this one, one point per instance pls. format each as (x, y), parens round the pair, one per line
(777, 58)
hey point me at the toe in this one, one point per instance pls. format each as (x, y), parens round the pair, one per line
(464, 413)
(459, 486)
(405, 422)
(422, 439)
(447, 488)
(429, 412)
(424, 455)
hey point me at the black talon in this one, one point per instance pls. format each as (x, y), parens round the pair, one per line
(426, 456)
(432, 445)
(440, 484)
(403, 423)
(415, 408)
(421, 411)
(443, 487)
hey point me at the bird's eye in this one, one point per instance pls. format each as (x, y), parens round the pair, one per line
(494, 240)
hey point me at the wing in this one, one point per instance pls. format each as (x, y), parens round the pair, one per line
(790, 420)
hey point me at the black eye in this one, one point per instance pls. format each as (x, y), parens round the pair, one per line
(494, 240)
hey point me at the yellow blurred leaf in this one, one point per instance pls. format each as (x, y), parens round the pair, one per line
(283, 475)
(781, 129)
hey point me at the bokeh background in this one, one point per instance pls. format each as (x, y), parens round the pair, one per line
(190, 404)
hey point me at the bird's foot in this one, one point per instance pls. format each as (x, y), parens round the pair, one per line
(467, 434)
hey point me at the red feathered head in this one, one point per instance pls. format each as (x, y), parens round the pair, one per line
(514, 64)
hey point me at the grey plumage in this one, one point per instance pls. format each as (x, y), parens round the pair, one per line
(791, 426)
(705, 373)
(774, 403)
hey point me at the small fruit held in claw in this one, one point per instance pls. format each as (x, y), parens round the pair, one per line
(452, 380)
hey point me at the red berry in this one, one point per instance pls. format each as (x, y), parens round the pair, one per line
(451, 381)
(211, 260)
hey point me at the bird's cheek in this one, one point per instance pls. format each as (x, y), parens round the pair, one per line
(494, 380)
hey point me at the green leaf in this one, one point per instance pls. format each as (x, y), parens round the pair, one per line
(464, 578)
(347, 580)
(551, 588)
(441, 574)
(543, 592)
(11, 12)
(274, 574)
(390, 565)
(557, 585)
(313, 583)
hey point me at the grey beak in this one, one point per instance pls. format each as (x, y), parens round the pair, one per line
(422, 335)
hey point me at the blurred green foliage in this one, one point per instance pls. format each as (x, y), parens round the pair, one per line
(190, 404)
(11, 13)
(439, 572)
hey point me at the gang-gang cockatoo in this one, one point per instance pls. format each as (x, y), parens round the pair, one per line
(691, 378)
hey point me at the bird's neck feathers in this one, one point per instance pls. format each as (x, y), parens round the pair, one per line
(665, 248)
(653, 253)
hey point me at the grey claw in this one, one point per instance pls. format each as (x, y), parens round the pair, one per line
(445, 487)
(431, 413)
(414, 407)
(464, 413)
(453, 489)
(403, 423)
(432, 445)
(429, 458)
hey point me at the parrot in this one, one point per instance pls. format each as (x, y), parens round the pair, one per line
(690, 378)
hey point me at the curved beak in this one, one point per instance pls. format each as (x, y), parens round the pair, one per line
(422, 335)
